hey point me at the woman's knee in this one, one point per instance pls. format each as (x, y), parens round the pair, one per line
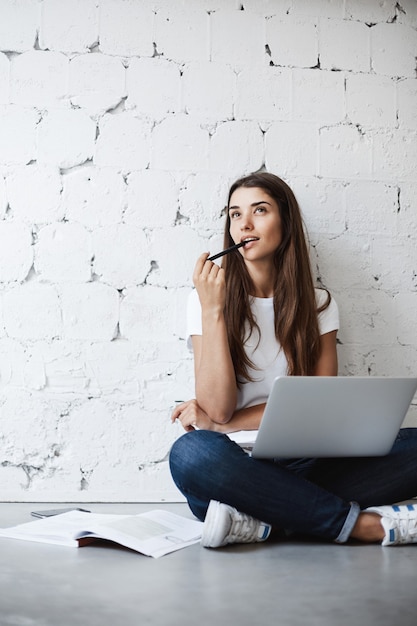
(192, 452)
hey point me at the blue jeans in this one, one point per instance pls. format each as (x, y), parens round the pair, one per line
(320, 497)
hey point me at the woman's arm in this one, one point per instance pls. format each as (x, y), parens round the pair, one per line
(215, 381)
(191, 415)
(243, 419)
(327, 363)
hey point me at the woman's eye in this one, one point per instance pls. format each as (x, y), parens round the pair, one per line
(260, 209)
(234, 215)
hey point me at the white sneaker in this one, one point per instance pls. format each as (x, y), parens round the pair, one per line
(224, 524)
(399, 522)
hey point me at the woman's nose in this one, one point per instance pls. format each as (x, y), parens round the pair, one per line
(246, 223)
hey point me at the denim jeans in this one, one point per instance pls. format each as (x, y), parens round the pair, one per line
(320, 497)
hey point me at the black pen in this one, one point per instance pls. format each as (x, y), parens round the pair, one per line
(223, 252)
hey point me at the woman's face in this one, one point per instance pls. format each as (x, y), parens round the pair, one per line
(255, 217)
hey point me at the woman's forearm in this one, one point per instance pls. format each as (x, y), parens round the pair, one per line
(243, 419)
(216, 390)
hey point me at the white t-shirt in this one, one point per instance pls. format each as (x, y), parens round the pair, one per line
(266, 354)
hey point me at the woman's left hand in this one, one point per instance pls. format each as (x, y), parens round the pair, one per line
(191, 416)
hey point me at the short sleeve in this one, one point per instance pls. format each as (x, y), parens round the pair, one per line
(329, 318)
(194, 324)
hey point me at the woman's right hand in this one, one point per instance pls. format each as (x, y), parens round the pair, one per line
(209, 280)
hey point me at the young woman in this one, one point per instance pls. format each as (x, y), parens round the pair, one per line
(254, 318)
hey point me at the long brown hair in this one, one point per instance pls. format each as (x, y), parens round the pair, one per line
(295, 307)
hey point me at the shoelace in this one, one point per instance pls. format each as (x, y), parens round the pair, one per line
(407, 528)
(243, 527)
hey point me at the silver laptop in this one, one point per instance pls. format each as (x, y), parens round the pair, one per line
(325, 416)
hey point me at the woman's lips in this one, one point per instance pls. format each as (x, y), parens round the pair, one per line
(249, 241)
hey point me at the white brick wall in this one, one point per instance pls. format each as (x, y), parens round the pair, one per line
(122, 124)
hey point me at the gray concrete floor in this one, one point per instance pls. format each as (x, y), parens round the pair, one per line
(295, 583)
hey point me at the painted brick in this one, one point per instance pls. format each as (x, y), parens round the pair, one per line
(206, 5)
(344, 45)
(177, 382)
(126, 28)
(264, 7)
(215, 243)
(321, 8)
(236, 147)
(291, 148)
(322, 203)
(365, 324)
(394, 155)
(12, 480)
(63, 367)
(92, 421)
(63, 253)
(153, 87)
(208, 90)
(371, 100)
(3, 198)
(407, 97)
(16, 254)
(142, 429)
(407, 214)
(113, 370)
(383, 360)
(264, 94)
(182, 35)
(70, 26)
(344, 152)
(34, 373)
(238, 39)
(124, 142)
(28, 302)
(371, 207)
(394, 49)
(12, 360)
(282, 31)
(408, 13)
(146, 313)
(179, 143)
(156, 358)
(19, 22)
(344, 268)
(39, 79)
(393, 263)
(90, 311)
(17, 135)
(66, 138)
(165, 388)
(4, 79)
(129, 262)
(326, 96)
(202, 200)
(93, 196)
(152, 199)
(34, 193)
(370, 12)
(130, 120)
(172, 268)
(406, 315)
(20, 414)
(96, 82)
